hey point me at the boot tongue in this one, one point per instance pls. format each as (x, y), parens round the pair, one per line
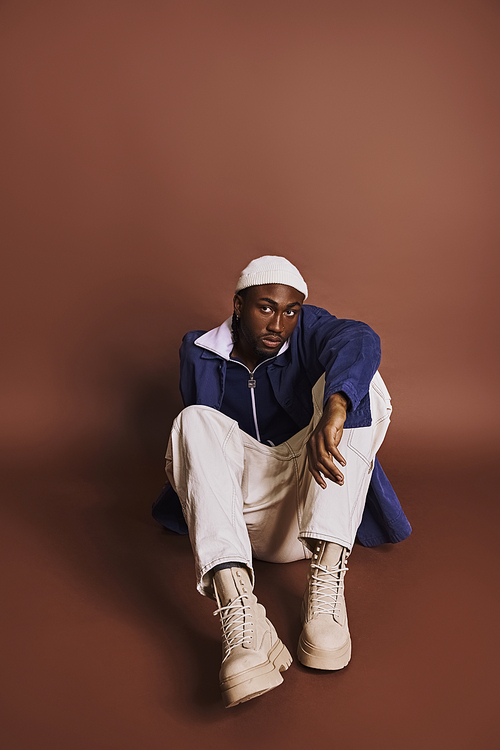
(331, 556)
(226, 585)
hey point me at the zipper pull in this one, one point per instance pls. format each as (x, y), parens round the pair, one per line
(251, 381)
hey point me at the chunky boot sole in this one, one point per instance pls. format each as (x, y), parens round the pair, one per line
(319, 658)
(257, 680)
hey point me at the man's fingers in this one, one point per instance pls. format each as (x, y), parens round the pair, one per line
(331, 447)
(315, 466)
(321, 461)
(321, 473)
(331, 471)
(312, 463)
(337, 455)
(325, 459)
(317, 477)
(324, 466)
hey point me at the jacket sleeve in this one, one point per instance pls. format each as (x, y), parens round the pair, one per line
(348, 351)
(188, 354)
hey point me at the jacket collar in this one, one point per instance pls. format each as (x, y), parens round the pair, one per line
(219, 341)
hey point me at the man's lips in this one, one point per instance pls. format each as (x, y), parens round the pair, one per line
(271, 341)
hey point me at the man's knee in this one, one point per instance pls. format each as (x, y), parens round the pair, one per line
(191, 416)
(202, 423)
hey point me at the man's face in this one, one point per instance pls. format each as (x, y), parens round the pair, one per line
(268, 316)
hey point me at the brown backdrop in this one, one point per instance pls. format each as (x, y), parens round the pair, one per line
(149, 151)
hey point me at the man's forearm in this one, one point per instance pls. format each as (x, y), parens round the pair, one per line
(337, 401)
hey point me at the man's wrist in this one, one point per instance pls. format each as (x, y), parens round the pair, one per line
(338, 399)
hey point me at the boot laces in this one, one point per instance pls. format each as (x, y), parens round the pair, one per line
(236, 623)
(327, 589)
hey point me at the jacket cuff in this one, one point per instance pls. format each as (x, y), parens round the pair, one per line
(346, 388)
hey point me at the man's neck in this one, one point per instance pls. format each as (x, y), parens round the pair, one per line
(249, 358)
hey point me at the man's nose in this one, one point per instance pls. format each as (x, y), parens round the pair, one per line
(275, 324)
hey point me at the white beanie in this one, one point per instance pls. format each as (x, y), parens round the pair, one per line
(271, 269)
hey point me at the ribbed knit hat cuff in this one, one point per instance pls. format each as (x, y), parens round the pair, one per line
(280, 274)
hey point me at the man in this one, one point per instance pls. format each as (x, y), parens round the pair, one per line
(274, 457)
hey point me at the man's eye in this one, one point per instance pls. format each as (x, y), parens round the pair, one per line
(291, 313)
(265, 308)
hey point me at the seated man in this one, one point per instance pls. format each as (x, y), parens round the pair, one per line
(273, 457)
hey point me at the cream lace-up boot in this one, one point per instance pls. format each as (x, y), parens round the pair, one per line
(253, 655)
(325, 642)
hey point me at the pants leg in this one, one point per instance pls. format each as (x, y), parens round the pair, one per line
(334, 514)
(204, 464)
(241, 497)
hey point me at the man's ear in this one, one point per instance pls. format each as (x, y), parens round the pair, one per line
(237, 304)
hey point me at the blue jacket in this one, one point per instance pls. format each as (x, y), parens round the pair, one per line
(347, 351)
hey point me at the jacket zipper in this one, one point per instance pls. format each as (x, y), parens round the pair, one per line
(252, 383)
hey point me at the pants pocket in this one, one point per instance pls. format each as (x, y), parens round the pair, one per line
(360, 441)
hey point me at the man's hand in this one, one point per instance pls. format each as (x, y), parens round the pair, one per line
(322, 445)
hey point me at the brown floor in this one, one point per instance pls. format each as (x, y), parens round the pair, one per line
(107, 645)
